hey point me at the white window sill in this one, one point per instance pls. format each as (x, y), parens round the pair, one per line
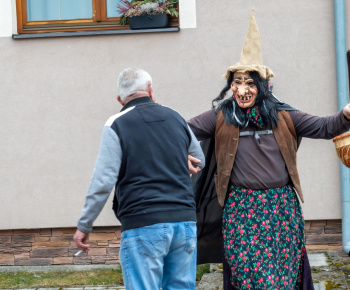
(95, 32)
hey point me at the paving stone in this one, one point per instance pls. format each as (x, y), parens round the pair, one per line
(317, 259)
(320, 286)
(211, 281)
(330, 279)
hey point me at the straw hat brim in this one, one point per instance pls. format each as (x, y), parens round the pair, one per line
(263, 71)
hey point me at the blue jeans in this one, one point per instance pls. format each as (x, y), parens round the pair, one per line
(160, 255)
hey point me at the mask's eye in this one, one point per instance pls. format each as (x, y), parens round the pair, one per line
(236, 82)
(251, 84)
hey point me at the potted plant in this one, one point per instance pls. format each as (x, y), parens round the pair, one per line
(147, 14)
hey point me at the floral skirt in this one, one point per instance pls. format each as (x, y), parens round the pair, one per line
(263, 233)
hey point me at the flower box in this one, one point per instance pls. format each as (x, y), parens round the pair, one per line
(149, 21)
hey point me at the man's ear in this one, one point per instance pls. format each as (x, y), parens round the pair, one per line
(150, 91)
(120, 101)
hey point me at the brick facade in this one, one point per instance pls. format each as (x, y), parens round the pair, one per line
(323, 235)
(42, 247)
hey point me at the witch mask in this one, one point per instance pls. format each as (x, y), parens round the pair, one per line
(244, 90)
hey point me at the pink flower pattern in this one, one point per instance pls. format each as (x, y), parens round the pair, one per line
(263, 233)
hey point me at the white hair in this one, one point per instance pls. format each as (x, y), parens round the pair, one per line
(132, 80)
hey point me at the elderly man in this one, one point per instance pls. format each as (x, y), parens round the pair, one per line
(144, 154)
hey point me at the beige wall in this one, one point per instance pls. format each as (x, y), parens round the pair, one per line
(56, 94)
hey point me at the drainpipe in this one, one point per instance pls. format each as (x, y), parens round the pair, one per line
(343, 99)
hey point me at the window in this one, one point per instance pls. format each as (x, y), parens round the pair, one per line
(39, 16)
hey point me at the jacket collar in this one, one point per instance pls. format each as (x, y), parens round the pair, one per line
(137, 102)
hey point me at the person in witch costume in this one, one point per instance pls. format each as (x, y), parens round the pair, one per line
(251, 140)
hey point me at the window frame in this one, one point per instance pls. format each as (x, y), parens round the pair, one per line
(99, 21)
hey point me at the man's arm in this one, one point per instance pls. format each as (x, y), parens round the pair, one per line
(195, 152)
(104, 178)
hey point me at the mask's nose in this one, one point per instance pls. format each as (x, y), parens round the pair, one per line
(242, 90)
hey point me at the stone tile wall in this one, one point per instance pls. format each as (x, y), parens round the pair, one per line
(41, 247)
(323, 235)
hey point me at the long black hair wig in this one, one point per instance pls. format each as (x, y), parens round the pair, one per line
(265, 101)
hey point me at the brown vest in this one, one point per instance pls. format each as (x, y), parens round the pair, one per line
(226, 144)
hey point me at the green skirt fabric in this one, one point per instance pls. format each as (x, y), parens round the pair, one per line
(263, 233)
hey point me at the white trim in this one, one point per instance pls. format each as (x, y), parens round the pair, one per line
(14, 17)
(5, 18)
(187, 12)
(116, 116)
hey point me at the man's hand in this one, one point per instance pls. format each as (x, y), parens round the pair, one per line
(346, 111)
(80, 240)
(192, 161)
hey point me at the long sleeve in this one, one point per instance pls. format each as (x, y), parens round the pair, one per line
(105, 176)
(203, 126)
(316, 127)
(195, 150)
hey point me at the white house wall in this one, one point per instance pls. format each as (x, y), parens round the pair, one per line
(5, 18)
(57, 93)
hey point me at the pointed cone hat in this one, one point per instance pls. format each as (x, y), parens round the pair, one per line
(251, 54)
